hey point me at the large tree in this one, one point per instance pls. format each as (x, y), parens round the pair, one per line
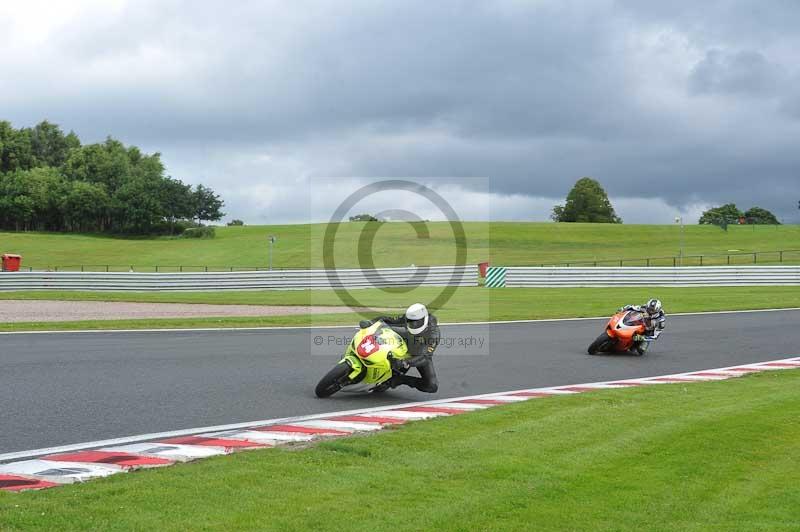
(757, 215)
(136, 207)
(722, 216)
(177, 201)
(85, 206)
(108, 163)
(16, 152)
(586, 202)
(207, 204)
(29, 199)
(49, 144)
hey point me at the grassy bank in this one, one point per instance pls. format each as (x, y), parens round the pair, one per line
(467, 304)
(716, 456)
(397, 244)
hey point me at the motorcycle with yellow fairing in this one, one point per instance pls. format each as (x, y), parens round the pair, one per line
(367, 362)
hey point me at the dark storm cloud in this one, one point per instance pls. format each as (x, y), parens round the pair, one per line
(686, 102)
(743, 72)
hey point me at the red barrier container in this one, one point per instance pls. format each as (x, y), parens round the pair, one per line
(11, 262)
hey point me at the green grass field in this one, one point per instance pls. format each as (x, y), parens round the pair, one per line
(397, 244)
(467, 304)
(708, 456)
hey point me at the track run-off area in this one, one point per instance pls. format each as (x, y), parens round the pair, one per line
(67, 388)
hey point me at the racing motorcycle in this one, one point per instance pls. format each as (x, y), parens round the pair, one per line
(619, 333)
(367, 362)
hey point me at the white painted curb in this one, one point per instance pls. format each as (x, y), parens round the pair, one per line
(75, 463)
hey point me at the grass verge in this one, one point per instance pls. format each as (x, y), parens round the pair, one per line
(399, 244)
(720, 455)
(467, 304)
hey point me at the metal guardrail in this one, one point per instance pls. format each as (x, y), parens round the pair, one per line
(266, 280)
(653, 276)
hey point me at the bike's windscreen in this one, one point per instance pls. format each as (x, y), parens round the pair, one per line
(633, 318)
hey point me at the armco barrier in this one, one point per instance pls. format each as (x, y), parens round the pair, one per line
(685, 276)
(269, 280)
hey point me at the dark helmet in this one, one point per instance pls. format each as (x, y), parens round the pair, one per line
(653, 307)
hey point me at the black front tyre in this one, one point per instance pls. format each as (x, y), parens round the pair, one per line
(333, 381)
(603, 343)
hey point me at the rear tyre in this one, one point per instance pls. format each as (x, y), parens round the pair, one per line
(603, 343)
(333, 381)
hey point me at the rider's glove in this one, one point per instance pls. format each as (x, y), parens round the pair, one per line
(638, 338)
(399, 365)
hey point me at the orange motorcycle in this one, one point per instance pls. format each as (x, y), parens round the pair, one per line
(619, 334)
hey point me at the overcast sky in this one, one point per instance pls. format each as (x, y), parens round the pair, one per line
(286, 107)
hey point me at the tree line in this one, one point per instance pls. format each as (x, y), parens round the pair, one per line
(588, 202)
(49, 181)
(730, 214)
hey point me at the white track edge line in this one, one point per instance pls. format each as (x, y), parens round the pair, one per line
(310, 327)
(219, 428)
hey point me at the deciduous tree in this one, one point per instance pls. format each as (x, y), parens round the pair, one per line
(49, 181)
(757, 215)
(586, 202)
(207, 204)
(724, 215)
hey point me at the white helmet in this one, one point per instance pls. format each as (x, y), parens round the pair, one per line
(653, 307)
(416, 318)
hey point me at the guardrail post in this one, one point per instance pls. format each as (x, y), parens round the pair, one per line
(180, 268)
(755, 256)
(674, 262)
(648, 263)
(780, 254)
(620, 263)
(106, 268)
(206, 269)
(81, 268)
(729, 260)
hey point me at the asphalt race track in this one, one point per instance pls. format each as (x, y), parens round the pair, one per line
(58, 389)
